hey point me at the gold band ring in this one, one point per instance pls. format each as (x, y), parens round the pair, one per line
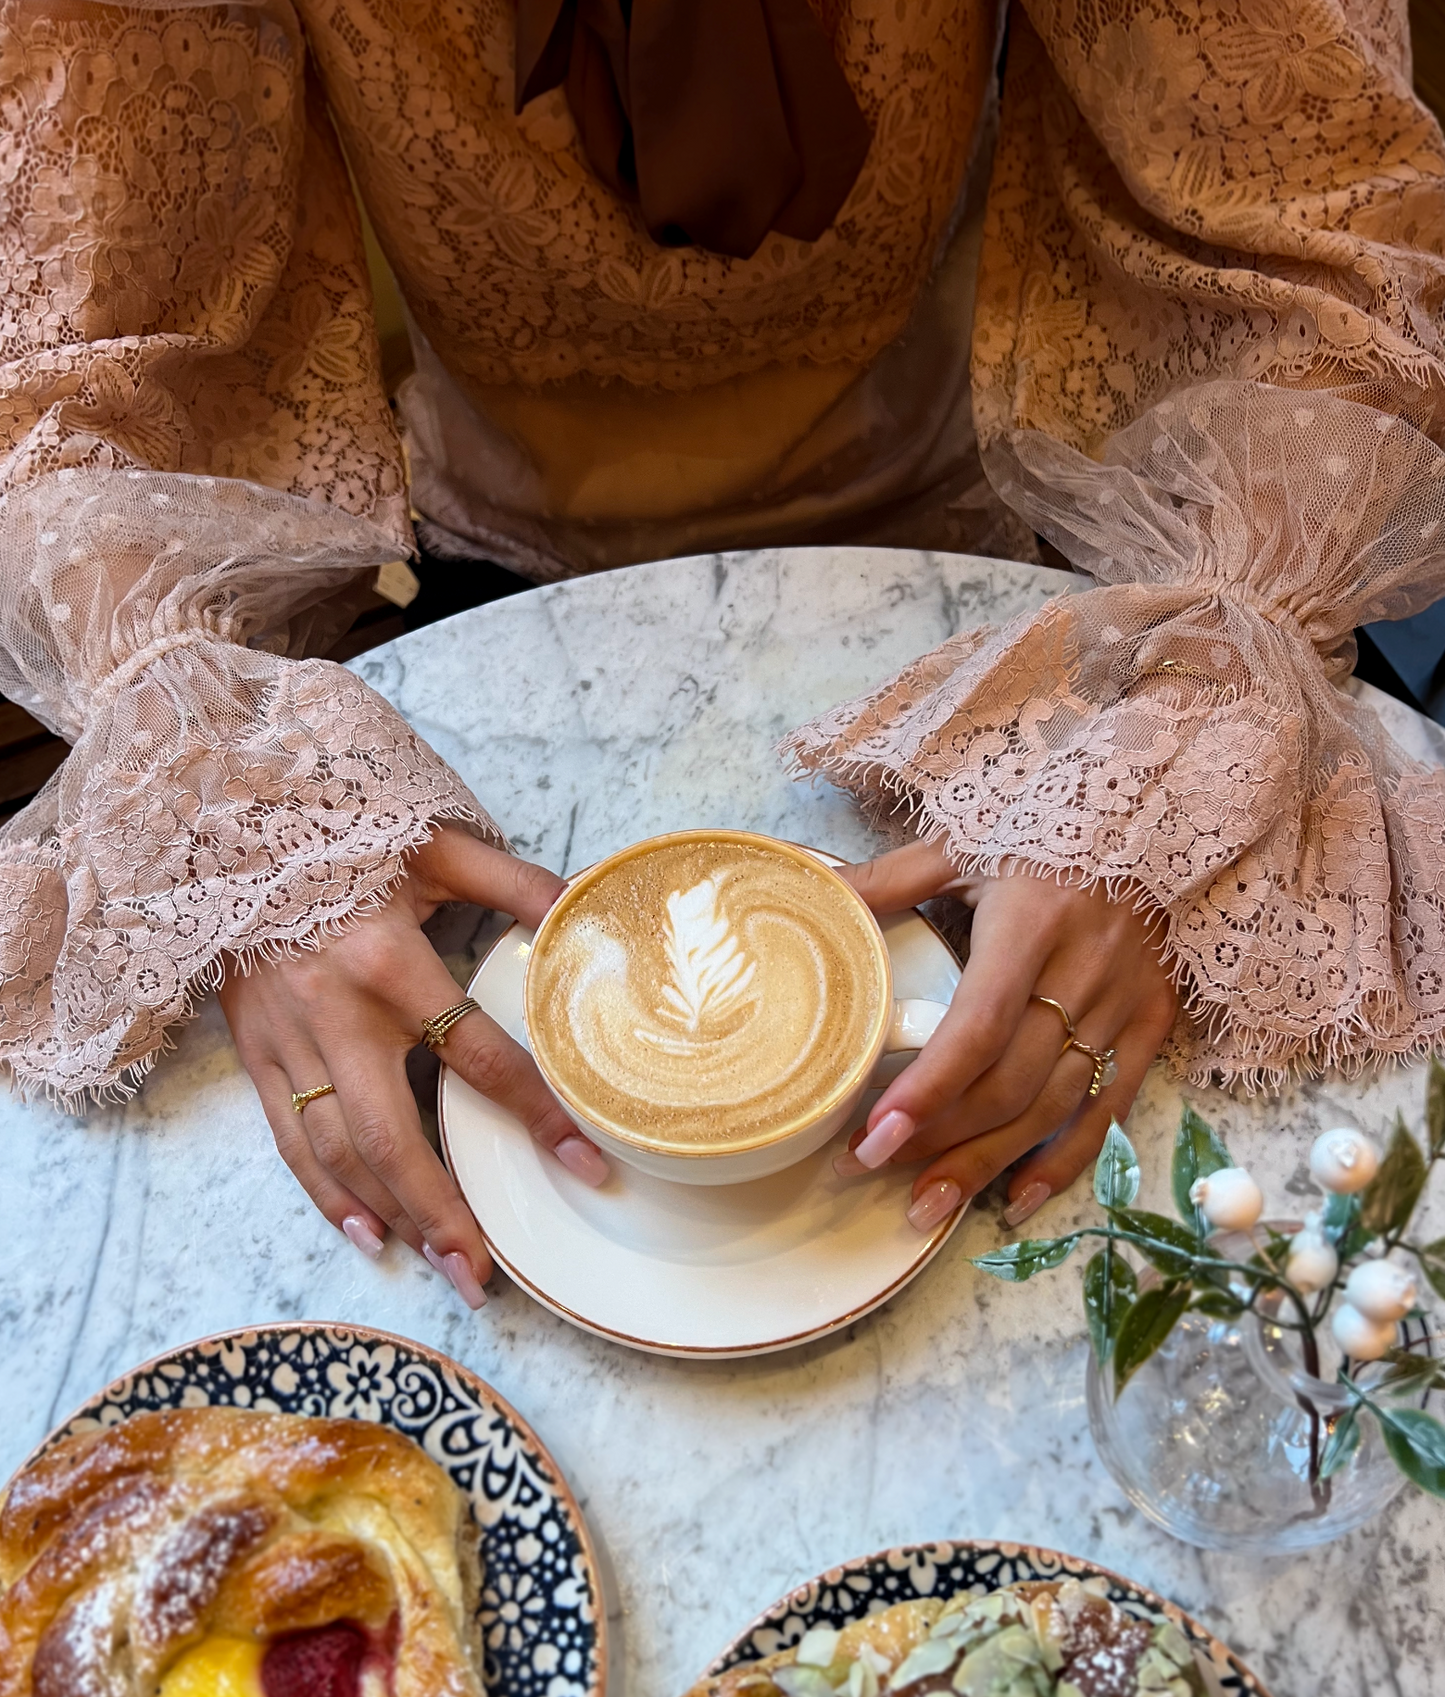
(1063, 1014)
(299, 1098)
(1180, 669)
(1106, 1069)
(434, 1030)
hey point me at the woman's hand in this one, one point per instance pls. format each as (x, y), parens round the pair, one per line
(992, 1087)
(348, 1014)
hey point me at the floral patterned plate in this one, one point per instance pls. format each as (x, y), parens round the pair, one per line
(871, 1583)
(543, 1624)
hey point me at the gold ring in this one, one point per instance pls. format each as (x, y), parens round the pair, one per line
(1180, 669)
(1063, 1014)
(434, 1030)
(299, 1098)
(1106, 1068)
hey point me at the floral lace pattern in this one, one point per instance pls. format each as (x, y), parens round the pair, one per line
(220, 800)
(1175, 734)
(199, 466)
(524, 266)
(1208, 367)
(1208, 363)
(182, 283)
(1186, 194)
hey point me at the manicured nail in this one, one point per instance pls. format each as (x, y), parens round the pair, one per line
(847, 1165)
(886, 1138)
(458, 1269)
(362, 1236)
(1028, 1201)
(935, 1204)
(584, 1159)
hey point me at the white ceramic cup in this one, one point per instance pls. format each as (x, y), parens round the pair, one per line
(911, 1024)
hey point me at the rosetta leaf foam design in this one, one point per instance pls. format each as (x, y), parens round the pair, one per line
(711, 971)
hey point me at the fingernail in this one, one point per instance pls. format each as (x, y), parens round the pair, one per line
(847, 1165)
(1028, 1201)
(582, 1158)
(362, 1236)
(458, 1269)
(886, 1138)
(935, 1204)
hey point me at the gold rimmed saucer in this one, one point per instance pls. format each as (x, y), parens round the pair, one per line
(690, 1270)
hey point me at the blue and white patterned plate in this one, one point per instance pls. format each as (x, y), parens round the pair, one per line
(543, 1622)
(872, 1583)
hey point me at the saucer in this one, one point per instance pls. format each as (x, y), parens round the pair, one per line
(691, 1269)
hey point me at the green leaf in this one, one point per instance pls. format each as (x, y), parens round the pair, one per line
(1432, 1264)
(1342, 1227)
(1116, 1172)
(1416, 1442)
(1148, 1322)
(1109, 1289)
(1218, 1305)
(1273, 1253)
(1198, 1152)
(1435, 1108)
(1172, 1248)
(1408, 1371)
(1389, 1199)
(1341, 1444)
(1015, 1262)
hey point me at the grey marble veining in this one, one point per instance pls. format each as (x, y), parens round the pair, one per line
(587, 715)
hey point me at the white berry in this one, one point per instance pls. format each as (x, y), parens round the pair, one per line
(1229, 1199)
(1343, 1160)
(1382, 1290)
(1312, 1262)
(1360, 1336)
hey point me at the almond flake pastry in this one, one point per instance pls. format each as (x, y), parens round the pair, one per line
(211, 1552)
(1037, 1638)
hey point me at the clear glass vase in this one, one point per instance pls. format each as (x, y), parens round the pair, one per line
(1217, 1438)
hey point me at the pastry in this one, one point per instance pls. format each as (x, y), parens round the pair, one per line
(1043, 1638)
(211, 1552)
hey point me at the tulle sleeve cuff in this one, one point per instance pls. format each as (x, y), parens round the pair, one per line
(222, 803)
(1180, 738)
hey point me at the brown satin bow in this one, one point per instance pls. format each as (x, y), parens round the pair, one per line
(723, 119)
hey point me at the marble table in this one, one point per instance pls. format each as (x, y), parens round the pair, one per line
(586, 715)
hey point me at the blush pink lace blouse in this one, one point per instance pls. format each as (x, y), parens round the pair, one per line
(1205, 301)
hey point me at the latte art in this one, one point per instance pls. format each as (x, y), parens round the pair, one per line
(705, 993)
(710, 971)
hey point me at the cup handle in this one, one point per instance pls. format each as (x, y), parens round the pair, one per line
(914, 1022)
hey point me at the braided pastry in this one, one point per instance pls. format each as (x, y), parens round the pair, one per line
(210, 1552)
(1037, 1638)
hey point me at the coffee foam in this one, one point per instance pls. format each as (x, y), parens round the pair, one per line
(705, 993)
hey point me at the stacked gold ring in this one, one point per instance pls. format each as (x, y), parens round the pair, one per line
(434, 1030)
(299, 1098)
(1106, 1068)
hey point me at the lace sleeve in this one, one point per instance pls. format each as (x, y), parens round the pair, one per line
(1208, 366)
(197, 468)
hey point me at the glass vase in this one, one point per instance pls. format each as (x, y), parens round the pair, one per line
(1217, 1438)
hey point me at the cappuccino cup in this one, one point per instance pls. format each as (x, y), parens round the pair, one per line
(709, 1006)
